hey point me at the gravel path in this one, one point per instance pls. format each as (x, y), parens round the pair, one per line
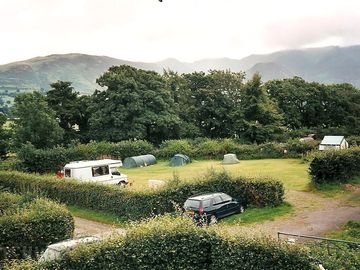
(84, 227)
(314, 215)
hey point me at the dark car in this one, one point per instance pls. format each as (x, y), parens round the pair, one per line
(210, 207)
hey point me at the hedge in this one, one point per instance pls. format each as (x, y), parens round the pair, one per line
(335, 166)
(137, 204)
(30, 226)
(52, 160)
(169, 243)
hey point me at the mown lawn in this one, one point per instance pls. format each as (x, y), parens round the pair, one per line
(253, 215)
(292, 172)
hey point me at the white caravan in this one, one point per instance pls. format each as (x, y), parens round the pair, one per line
(101, 171)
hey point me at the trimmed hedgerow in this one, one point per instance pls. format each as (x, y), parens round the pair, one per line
(28, 227)
(136, 204)
(52, 160)
(169, 243)
(335, 166)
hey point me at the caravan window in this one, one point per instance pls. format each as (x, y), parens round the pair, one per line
(100, 170)
(67, 173)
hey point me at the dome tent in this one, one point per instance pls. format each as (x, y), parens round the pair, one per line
(179, 160)
(230, 159)
(139, 161)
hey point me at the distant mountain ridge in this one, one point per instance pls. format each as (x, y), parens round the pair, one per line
(326, 65)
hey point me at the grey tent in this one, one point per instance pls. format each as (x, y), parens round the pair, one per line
(230, 159)
(179, 160)
(139, 161)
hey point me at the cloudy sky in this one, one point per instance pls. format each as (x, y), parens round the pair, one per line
(147, 30)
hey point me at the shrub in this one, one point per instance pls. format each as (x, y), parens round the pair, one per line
(171, 147)
(52, 160)
(136, 204)
(169, 243)
(335, 166)
(30, 227)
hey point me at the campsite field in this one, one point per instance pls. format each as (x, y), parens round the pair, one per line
(292, 172)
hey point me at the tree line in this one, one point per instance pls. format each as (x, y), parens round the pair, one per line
(141, 104)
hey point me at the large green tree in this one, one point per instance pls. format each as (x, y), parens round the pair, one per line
(213, 97)
(135, 105)
(35, 122)
(258, 118)
(70, 109)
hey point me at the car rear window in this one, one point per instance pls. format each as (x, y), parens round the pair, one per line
(192, 204)
(206, 203)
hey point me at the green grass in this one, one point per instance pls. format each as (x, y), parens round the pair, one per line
(253, 215)
(292, 172)
(99, 216)
(349, 231)
(337, 189)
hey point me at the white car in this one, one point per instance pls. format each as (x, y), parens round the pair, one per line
(55, 251)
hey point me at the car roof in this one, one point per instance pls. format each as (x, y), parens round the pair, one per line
(206, 196)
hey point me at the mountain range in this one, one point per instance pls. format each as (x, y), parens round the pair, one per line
(325, 65)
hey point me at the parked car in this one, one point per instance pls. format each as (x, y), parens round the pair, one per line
(55, 251)
(209, 207)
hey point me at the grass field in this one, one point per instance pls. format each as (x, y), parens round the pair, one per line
(292, 172)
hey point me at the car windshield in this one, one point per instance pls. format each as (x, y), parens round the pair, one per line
(192, 204)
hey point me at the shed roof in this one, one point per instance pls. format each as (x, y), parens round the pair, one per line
(332, 140)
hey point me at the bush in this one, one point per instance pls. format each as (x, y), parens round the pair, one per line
(52, 160)
(171, 147)
(335, 166)
(169, 243)
(29, 227)
(136, 204)
(336, 256)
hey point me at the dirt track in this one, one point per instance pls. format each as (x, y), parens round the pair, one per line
(84, 227)
(313, 215)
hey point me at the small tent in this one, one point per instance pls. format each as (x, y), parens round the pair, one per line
(230, 159)
(333, 142)
(179, 160)
(139, 161)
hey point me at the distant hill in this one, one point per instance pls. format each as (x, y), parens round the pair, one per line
(325, 65)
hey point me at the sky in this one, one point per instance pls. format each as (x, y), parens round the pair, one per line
(188, 30)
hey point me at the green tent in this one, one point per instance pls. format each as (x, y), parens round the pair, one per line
(139, 161)
(179, 160)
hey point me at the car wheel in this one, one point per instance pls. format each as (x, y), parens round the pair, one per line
(122, 184)
(212, 220)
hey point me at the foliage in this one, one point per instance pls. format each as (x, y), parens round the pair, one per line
(135, 105)
(4, 137)
(171, 147)
(70, 109)
(175, 243)
(318, 106)
(258, 118)
(36, 126)
(335, 166)
(336, 256)
(137, 204)
(27, 227)
(52, 160)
